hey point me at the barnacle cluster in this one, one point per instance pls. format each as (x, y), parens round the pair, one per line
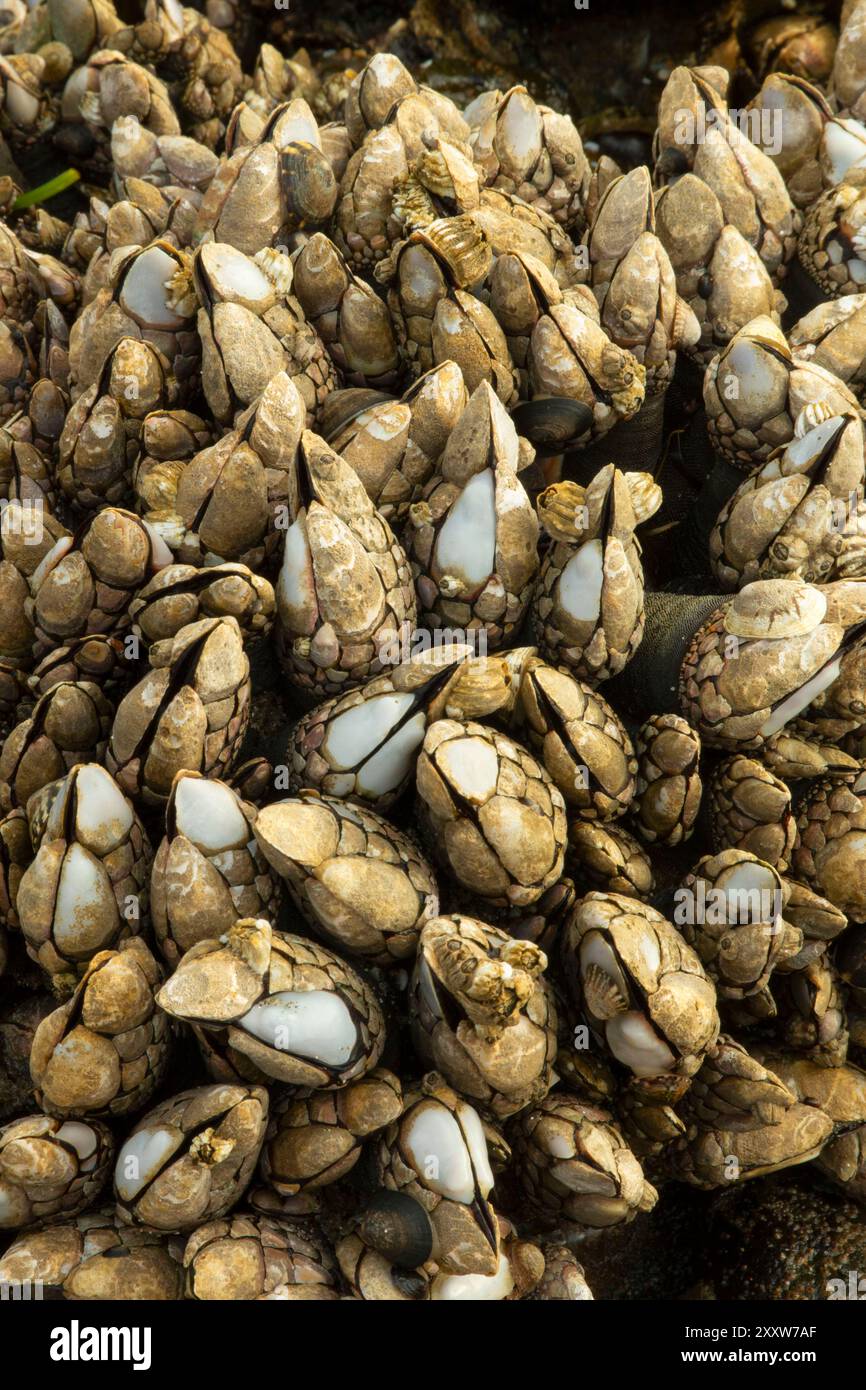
(418, 745)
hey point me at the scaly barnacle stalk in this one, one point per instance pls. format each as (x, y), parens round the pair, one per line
(473, 536)
(86, 890)
(105, 1050)
(482, 1014)
(208, 870)
(531, 151)
(394, 446)
(344, 591)
(191, 1157)
(831, 247)
(668, 786)
(755, 390)
(750, 809)
(496, 820)
(267, 1006)
(718, 274)
(788, 518)
(189, 713)
(642, 990)
(361, 884)
(588, 606)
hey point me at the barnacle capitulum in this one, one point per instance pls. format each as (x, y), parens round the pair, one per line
(728, 1142)
(575, 1163)
(208, 871)
(437, 1153)
(641, 988)
(588, 609)
(499, 1052)
(789, 517)
(191, 1157)
(360, 882)
(362, 746)
(497, 820)
(344, 593)
(74, 1258)
(51, 1168)
(497, 714)
(755, 390)
(829, 834)
(188, 714)
(104, 1051)
(473, 535)
(269, 1006)
(86, 889)
(731, 909)
(668, 785)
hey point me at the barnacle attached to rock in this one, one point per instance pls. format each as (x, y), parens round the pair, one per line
(483, 1015)
(267, 1006)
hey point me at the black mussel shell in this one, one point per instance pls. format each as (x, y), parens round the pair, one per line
(552, 423)
(399, 1228)
(342, 407)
